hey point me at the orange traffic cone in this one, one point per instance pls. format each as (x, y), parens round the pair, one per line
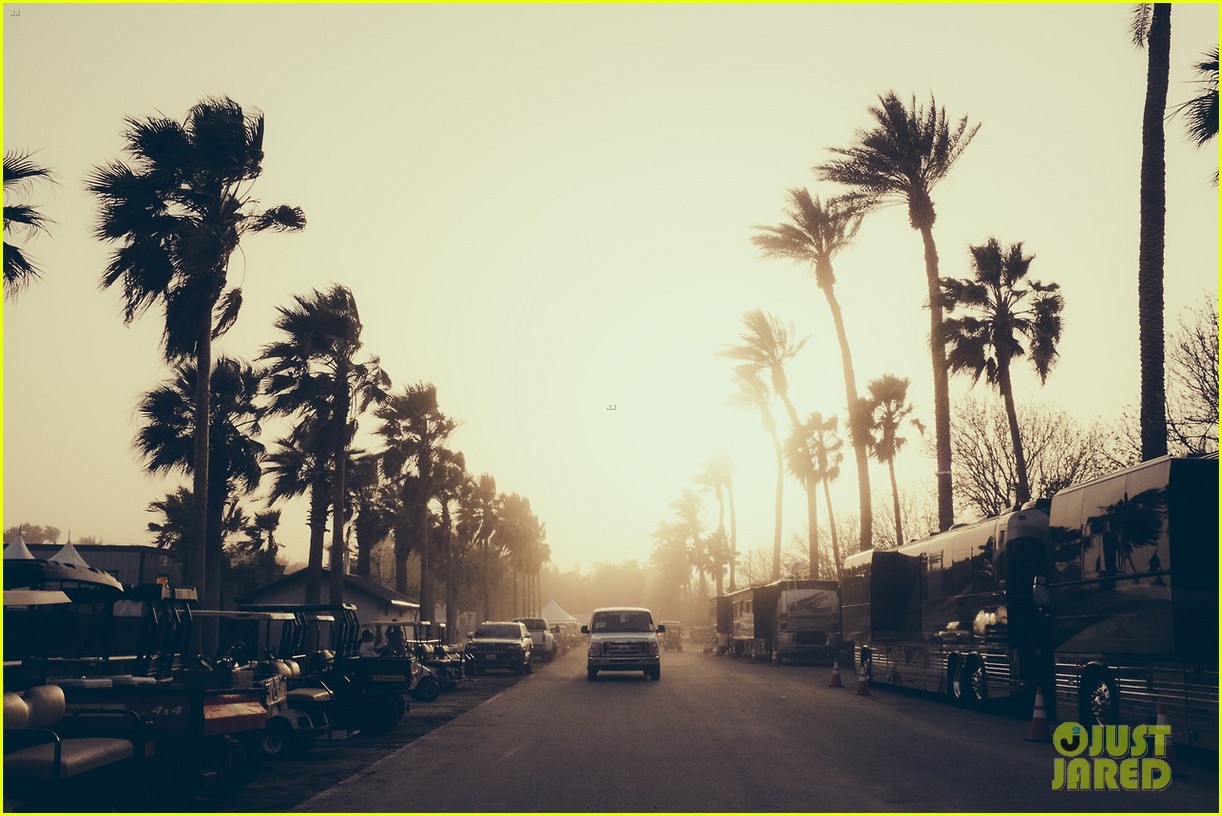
(835, 675)
(1039, 720)
(1170, 757)
(863, 685)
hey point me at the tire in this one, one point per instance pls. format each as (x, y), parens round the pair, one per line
(519, 668)
(954, 680)
(380, 711)
(275, 740)
(974, 684)
(591, 674)
(427, 690)
(654, 674)
(530, 666)
(1098, 698)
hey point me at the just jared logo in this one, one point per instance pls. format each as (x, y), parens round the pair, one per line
(1117, 757)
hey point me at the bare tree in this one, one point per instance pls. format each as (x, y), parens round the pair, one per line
(1061, 452)
(1192, 380)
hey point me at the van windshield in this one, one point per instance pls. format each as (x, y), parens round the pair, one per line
(627, 621)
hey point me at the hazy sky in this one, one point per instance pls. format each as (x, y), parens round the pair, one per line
(547, 210)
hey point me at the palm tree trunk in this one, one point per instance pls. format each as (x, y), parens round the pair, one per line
(733, 534)
(780, 500)
(866, 511)
(1153, 230)
(1022, 490)
(831, 523)
(812, 495)
(204, 637)
(340, 454)
(812, 523)
(895, 504)
(318, 535)
(941, 386)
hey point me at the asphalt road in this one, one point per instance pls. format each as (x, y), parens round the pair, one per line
(718, 734)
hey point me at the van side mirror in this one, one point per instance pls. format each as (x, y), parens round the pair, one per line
(661, 628)
(585, 630)
(1040, 593)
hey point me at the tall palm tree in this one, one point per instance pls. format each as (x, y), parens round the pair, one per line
(687, 519)
(815, 233)
(900, 159)
(20, 172)
(671, 562)
(521, 535)
(754, 393)
(313, 374)
(452, 483)
(178, 212)
(1003, 309)
(415, 430)
(373, 519)
(166, 442)
(768, 345)
(477, 511)
(1201, 111)
(718, 476)
(889, 408)
(299, 465)
(814, 456)
(1151, 29)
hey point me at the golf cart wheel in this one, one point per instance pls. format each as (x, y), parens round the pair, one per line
(427, 690)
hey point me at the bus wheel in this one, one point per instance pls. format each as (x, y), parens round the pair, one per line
(954, 680)
(1098, 700)
(975, 686)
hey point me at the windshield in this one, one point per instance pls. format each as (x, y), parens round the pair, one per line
(499, 630)
(622, 621)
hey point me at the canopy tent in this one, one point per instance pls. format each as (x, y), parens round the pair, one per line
(553, 614)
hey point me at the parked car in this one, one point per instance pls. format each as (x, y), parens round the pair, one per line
(672, 636)
(541, 636)
(502, 645)
(623, 639)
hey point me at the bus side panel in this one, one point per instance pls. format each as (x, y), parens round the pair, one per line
(1192, 509)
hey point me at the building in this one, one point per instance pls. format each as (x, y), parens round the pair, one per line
(373, 601)
(132, 564)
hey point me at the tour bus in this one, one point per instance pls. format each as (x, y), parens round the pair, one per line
(1133, 597)
(953, 613)
(1106, 597)
(797, 619)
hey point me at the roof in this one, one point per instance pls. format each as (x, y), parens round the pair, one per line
(353, 582)
(554, 614)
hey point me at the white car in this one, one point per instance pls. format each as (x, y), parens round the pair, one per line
(541, 637)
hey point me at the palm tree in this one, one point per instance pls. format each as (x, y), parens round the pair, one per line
(815, 233)
(754, 393)
(768, 345)
(415, 430)
(298, 466)
(1003, 309)
(1201, 111)
(477, 512)
(373, 519)
(452, 483)
(814, 456)
(1151, 29)
(521, 535)
(166, 442)
(906, 153)
(313, 373)
(20, 172)
(671, 562)
(889, 408)
(178, 212)
(718, 476)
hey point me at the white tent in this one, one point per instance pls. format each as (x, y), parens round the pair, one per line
(68, 555)
(553, 614)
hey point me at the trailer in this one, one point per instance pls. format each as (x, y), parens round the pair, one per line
(795, 620)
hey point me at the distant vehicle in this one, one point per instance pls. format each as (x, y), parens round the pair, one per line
(541, 637)
(798, 619)
(502, 645)
(623, 639)
(672, 636)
